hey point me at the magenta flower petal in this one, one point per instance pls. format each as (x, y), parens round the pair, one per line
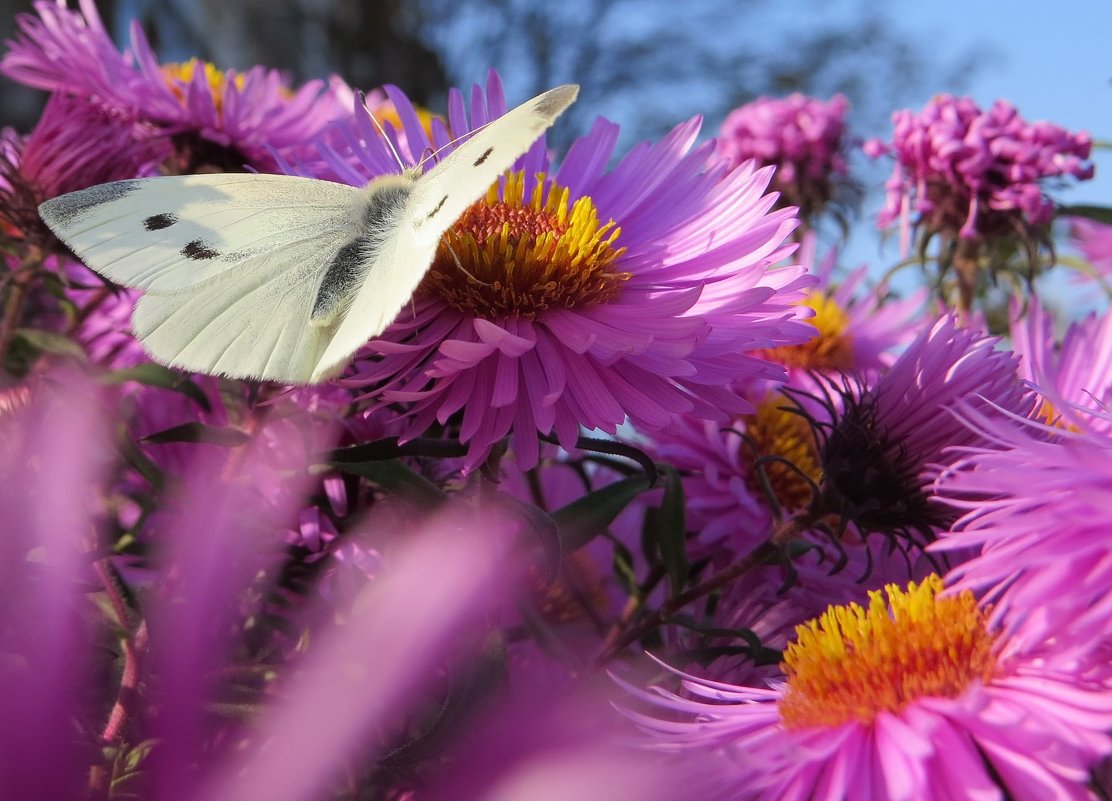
(440, 587)
(1032, 728)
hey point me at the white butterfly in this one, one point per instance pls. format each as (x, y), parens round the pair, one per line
(279, 277)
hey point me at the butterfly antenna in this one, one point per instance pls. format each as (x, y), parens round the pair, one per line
(381, 130)
(463, 269)
(434, 153)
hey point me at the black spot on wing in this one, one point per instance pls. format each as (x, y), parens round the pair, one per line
(552, 103)
(439, 206)
(65, 209)
(484, 157)
(199, 250)
(157, 222)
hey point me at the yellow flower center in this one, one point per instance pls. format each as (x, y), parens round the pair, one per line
(1050, 415)
(830, 349)
(179, 76)
(852, 664)
(510, 255)
(775, 430)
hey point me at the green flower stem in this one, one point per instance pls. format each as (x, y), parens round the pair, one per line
(774, 545)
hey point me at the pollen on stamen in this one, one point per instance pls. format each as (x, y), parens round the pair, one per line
(832, 346)
(776, 430)
(852, 664)
(522, 256)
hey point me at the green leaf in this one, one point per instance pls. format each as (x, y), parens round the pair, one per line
(156, 375)
(671, 531)
(394, 476)
(542, 524)
(584, 519)
(139, 461)
(199, 432)
(1102, 214)
(50, 342)
(623, 568)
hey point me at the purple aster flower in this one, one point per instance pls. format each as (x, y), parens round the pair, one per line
(103, 324)
(913, 698)
(1035, 504)
(858, 329)
(856, 333)
(74, 145)
(632, 293)
(214, 119)
(890, 440)
(976, 173)
(1072, 375)
(802, 137)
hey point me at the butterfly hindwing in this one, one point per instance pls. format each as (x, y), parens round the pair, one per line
(251, 322)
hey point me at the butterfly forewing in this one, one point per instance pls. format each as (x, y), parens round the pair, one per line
(461, 178)
(167, 234)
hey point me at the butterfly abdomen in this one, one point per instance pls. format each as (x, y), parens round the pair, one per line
(377, 212)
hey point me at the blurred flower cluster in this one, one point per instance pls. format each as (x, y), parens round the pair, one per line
(643, 494)
(803, 137)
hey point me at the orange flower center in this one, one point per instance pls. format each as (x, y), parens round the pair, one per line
(508, 255)
(775, 430)
(852, 663)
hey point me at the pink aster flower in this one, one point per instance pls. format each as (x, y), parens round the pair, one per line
(976, 173)
(213, 118)
(802, 137)
(890, 439)
(913, 699)
(632, 293)
(858, 329)
(74, 145)
(771, 601)
(727, 501)
(1036, 506)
